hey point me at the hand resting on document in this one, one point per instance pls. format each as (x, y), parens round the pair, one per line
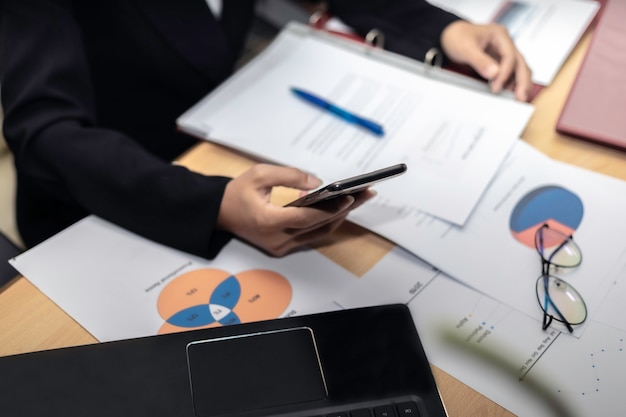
(490, 51)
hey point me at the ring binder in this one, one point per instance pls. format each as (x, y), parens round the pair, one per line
(316, 18)
(375, 38)
(376, 83)
(319, 19)
(433, 58)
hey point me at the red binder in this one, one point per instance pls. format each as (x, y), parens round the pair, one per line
(595, 109)
(320, 21)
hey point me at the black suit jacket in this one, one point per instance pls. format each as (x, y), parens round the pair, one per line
(91, 90)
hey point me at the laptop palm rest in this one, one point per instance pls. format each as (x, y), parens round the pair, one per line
(255, 371)
(360, 362)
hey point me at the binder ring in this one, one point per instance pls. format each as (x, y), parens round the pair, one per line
(317, 19)
(433, 58)
(375, 38)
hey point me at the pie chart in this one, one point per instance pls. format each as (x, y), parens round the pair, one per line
(212, 297)
(560, 208)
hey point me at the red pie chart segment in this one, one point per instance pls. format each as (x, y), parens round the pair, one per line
(560, 208)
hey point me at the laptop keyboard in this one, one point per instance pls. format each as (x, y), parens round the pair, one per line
(384, 408)
(390, 410)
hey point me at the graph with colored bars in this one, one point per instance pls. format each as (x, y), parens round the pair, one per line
(212, 297)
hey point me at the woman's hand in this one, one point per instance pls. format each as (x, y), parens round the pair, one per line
(247, 212)
(490, 51)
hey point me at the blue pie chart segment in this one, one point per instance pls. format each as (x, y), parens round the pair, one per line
(194, 316)
(227, 293)
(554, 205)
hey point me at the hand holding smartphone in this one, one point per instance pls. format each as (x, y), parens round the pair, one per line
(348, 186)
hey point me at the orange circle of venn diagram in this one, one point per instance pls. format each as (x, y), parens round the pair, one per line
(212, 297)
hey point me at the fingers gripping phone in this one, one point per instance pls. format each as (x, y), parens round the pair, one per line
(348, 186)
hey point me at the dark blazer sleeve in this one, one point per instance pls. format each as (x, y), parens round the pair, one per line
(50, 124)
(410, 27)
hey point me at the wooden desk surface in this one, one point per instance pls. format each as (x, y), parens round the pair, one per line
(29, 321)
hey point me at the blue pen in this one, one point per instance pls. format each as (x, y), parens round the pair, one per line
(349, 117)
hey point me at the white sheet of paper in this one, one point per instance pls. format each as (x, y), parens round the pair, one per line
(453, 139)
(494, 252)
(118, 285)
(501, 352)
(544, 31)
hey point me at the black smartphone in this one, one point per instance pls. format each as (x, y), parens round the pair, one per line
(348, 186)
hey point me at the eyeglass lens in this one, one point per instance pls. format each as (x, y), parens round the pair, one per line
(557, 248)
(558, 299)
(563, 303)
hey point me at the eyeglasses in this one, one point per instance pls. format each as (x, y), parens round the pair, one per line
(558, 300)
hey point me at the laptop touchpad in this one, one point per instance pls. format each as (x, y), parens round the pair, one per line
(254, 371)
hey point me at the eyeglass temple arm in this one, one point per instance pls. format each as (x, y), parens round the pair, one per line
(554, 252)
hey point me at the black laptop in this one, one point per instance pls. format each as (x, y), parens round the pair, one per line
(366, 362)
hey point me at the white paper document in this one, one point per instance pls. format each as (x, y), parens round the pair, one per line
(501, 352)
(118, 285)
(495, 251)
(544, 31)
(452, 138)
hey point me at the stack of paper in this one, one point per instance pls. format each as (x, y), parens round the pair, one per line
(452, 137)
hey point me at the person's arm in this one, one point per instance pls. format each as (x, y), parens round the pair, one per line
(410, 27)
(51, 125)
(413, 27)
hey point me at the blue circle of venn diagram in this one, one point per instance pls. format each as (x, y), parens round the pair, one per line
(551, 204)
(223, 300)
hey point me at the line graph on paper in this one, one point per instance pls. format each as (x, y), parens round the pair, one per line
(597, 370)
(590, 371)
